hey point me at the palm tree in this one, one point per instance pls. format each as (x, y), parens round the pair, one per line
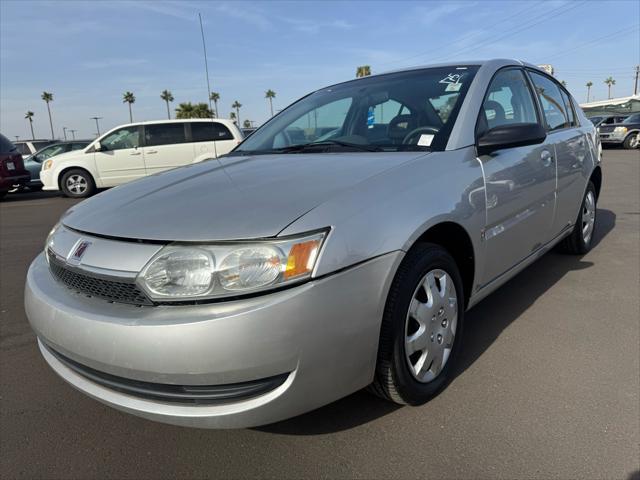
(214, 97)
(246, 124)
(167, 97)
(128, 97)
(29, 116)
(270, 95)
(610, 82)
(189, 110)
(589, 85)
(363, 71)
(563, 83)
(237, 106)
(48, 97)
(232, 116)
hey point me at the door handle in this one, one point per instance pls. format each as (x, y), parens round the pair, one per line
(151, 151)
(546, 158)
(135, 153)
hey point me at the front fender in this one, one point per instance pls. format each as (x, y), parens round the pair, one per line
(390, 211)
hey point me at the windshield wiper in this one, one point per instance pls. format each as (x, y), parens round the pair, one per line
(312, 146)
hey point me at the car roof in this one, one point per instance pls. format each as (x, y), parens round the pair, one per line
(179, 120)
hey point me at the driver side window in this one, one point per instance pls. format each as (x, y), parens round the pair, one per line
(127, 137)
(509, 101)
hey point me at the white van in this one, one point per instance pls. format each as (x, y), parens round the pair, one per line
(136, 150)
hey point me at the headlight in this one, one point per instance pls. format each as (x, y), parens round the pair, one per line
(620, 130)
(49, 242)
(193, 272)
(47, 165)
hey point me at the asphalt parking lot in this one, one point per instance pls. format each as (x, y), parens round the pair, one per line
(549, 383)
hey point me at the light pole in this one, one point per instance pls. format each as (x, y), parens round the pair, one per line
(17, 137)
(73, 132)
(97, 126)
(64, 132)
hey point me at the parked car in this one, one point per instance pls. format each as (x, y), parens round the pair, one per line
(625, 133)
(607, 119)
(12, 171)
(303, 267)
(248, 131)
(135, 150)
(33, 163)
(29, 147)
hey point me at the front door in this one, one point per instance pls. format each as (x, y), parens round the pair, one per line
(520, 182)
(120, 158)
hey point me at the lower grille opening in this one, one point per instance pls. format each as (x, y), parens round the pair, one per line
(192, 394)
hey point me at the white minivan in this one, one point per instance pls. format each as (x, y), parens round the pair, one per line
(136, 150)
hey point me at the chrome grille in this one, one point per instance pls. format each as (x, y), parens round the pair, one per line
(119, 291)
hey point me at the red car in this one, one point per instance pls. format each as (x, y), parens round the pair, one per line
(12, 171)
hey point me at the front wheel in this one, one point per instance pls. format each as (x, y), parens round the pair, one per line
(422, 327)
(77, 183)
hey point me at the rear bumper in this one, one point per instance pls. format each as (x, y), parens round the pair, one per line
(323, 336)
(6, 183)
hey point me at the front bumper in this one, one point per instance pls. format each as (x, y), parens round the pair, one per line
(48, 180)
(611, 138)
(322, 334)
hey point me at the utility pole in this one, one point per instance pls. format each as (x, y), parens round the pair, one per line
(635, 86)
(64, 132)
(206, 65)
(73, 132)
(97, 126)
(17, 137)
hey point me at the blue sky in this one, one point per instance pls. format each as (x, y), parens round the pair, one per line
(89, 53)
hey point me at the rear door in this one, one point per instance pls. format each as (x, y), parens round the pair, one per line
(166, 147)
(211, 138)
(569, 144)
(120, 158)
(520, 182)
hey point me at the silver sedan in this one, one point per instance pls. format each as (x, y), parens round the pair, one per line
(338, 247)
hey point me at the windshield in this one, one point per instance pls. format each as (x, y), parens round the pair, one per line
(596, 120)
(412, 110)
(632, 119)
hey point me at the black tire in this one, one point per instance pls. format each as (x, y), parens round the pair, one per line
(575, 243)
(394, 380)
(2, 194)
(631, 141)
(86, 191)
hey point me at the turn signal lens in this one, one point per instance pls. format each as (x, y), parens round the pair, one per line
(302, 258)
(47, 165)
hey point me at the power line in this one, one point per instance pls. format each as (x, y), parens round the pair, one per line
(531, 23)
(464, 37)
(630, 28)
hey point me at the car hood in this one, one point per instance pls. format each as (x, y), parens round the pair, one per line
(236, 197)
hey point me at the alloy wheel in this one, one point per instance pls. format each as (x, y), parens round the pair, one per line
(77, 184)
(430, 325)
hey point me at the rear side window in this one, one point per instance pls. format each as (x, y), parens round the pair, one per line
(552, 103)
(164, 134)
(209, 131)
(22, 148)
(40, 145)
(508, 101)
(6, 146)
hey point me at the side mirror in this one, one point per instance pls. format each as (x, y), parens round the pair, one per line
(97, 147)
(510, 136)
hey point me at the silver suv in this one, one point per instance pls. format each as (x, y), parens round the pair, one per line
(337, 247)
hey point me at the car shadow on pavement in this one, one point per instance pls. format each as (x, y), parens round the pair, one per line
(484, 323)
(29, 195)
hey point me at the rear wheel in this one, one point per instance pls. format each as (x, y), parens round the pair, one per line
(77, 183)
(632, 141)
(421, 328)
(580, 240)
